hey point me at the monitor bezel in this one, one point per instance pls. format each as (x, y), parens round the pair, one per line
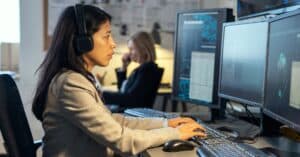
(281, 119)
(267, 111)
(235, 98)
(225, 13)
(272, 11)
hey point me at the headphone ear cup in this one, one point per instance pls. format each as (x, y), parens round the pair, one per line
(83, 44)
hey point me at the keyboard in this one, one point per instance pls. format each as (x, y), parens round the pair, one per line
(220, 147)
(216, 144)
(149, 113)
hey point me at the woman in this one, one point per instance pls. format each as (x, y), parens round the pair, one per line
(74, 118)
(140, 89)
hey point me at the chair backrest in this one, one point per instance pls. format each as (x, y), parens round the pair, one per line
(157, 81)
(13, 122)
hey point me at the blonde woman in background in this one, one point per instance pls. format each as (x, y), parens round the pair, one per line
(140, 88)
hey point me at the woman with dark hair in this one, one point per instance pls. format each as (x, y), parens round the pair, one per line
(67, 99)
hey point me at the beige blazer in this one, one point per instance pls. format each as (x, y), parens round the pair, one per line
(77, 123)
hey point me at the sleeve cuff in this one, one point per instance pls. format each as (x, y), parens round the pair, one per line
(165, 123)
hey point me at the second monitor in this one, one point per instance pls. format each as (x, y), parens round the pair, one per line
(197, 53)
(243, 62)
(282, 100)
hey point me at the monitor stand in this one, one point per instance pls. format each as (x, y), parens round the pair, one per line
(270, 127)
(219, 113)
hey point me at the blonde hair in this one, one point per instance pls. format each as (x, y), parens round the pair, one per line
(145, 46)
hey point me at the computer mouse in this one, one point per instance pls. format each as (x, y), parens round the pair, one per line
(177, 145)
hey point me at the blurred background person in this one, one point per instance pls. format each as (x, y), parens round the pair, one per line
(140, 88)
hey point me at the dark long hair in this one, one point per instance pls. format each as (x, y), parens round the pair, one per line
(61, 54)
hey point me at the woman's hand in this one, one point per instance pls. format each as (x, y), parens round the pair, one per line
(189, 130)
(174, 122)
(126, 60)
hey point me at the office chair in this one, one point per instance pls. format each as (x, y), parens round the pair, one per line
(152, 92)
(157, 81)
(18, 140)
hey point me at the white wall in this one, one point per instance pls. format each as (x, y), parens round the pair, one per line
(31, 44)
(210, 4)
(10, 21)
(31, 54)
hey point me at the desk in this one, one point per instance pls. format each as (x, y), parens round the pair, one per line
(280, 143)
(165, 92)
(157, 152)
(161, 91)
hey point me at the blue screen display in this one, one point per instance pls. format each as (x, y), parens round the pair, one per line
(197, 32)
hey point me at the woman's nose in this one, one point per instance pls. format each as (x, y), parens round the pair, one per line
(113, 43)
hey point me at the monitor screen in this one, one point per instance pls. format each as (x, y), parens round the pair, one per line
(243, 61)
(254, 7)
(196, 49)
(282, 99)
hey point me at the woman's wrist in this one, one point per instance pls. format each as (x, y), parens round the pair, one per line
(165, 123)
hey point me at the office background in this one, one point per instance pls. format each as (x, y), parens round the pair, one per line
(29, 53)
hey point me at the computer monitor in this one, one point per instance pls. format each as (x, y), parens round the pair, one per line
(251, 8)
(282, 99)
(197, 53)
(243, 62)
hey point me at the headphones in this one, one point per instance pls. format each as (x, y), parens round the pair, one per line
(82, 41)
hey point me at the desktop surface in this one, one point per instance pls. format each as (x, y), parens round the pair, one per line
(161, 90)
(216, 143)
(281, 145)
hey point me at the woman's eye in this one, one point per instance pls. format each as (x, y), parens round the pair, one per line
(106, 36)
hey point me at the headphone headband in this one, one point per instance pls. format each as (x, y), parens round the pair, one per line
(79, 14)
(82, 42)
